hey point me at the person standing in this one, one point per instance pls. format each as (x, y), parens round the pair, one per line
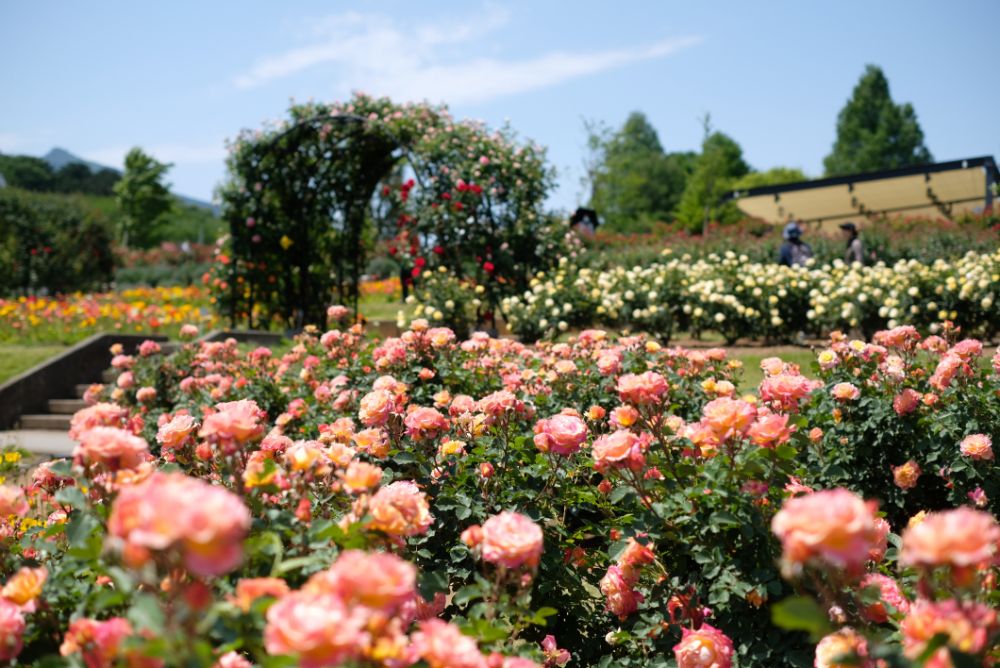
(854, 251)
(794, 252)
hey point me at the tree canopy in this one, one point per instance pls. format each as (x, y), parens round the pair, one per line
(775, 176)
(634, 182)
(718, 167)
(143, 198)
(873, 132)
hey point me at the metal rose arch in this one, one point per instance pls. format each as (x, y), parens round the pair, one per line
(300, 215)
(307, 198)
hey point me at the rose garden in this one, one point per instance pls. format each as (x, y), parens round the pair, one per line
(548, 464)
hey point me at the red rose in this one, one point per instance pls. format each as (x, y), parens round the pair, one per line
(488, 267)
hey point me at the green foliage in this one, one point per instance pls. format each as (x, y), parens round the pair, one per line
(772, 177)
(30, 173)
(720, 164)
(53, 242)
(143, 198)
(873, 132)
(24, 171)
(634, 182)
(186, 222)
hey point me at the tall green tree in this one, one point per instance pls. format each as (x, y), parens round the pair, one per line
(873, 132)
(718, 167)
(634, 183)
(143, 198)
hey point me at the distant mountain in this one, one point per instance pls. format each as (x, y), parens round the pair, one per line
(60, 157)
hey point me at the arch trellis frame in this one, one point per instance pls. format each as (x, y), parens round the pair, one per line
(325, 213)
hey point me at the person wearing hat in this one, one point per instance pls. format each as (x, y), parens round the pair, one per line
(854, 252)
(794, 252)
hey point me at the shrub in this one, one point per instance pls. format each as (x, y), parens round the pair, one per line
(52, 243)
(609, 489)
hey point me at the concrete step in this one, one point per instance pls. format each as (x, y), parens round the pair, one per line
(66, 406)
(44, 444)
(82, 389)
(109, 375)
(48, 422)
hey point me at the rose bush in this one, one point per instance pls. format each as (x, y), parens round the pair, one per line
(737, 298)
(428, 500)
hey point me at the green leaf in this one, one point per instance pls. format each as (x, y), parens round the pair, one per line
(146, 613)
(80, 528)
(484, 631)
(71, 496)
(62, 468)
(801, 613)
(467, 594)
(541, 616)
(723, 519)
(937, 642)
(297, 563)
(619, 493)
(432, 582)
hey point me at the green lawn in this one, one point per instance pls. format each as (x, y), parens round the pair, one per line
(752, 373)
(17, 358)
(381, 310)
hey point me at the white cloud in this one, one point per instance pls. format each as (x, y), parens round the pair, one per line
(375, 53)
(114, 156)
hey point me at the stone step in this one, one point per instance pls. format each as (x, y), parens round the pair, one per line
(66, 406)
(48, 422)
(109, 376)
(82, 389)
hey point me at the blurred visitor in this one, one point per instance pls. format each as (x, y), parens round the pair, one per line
(584, 221)
(854, 251)
(794, 252)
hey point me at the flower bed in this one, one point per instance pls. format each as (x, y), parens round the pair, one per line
(74, 317)
(606, 501)
(737, 298)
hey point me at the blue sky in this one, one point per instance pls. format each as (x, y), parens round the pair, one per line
(178, 78)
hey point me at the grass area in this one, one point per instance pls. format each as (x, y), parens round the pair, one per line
(15, 359)
(373, 309)
(752, 373)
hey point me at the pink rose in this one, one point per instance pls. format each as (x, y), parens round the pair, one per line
(12, 626)
(832, 526)
(511, 540)
(889, 592)
(977, 446)
(619, 449)
(706, 647)
(111, 448)
(561, 434)
(961, 537)
(425, 423)
(12, 501)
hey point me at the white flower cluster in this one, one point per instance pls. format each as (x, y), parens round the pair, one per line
(738, 298)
